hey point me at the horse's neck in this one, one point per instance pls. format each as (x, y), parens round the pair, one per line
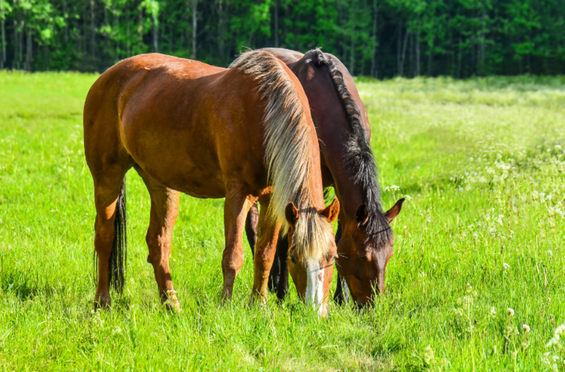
(332, 133)
(351, 195)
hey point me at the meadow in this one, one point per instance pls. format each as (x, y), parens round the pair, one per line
(480, 161)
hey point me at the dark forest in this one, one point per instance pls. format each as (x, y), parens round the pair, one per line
(379, 38)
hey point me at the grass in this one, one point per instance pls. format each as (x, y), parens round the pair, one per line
(482, 162)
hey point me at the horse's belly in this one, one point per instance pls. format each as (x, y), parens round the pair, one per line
(188, 166)
(189, 179)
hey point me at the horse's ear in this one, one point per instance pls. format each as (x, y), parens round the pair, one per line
(362, 215)
(331, 211)
(395, 210)
(291, 214)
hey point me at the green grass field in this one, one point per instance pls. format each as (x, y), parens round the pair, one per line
(480, 161)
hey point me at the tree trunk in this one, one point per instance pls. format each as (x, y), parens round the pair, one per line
(430, 59)
(221, 30)
(403, 59)
(29, 49)
(459, 57)
(128, 37)
(418, 54)
(399, 48)
(364, 55)
(20, 44)
(3, 59)
(352, 20)
(117, 27)
(341, 18)
(277, 23)
(92, 30)
(155, 34)
(14, 66)
(66, 22)
(481, 51)
(411, 53)
(374, 71)
(194, 9)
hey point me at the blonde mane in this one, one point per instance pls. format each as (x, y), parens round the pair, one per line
(288, 153)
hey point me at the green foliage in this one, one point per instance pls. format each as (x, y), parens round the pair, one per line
(480, 161)
(380, 38)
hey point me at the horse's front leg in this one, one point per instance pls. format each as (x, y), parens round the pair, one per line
(265, 249)
(341, 295)
(278, 278)
(236, 207)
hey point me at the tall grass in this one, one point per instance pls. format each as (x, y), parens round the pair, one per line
(481, 161)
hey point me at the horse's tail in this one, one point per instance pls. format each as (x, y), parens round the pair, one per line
(118, 256)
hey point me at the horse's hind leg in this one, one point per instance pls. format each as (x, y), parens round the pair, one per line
(251, 226)
(164, 212)
(107, 187)
(236, 207)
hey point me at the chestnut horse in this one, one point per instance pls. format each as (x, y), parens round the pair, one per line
(243, 133)
(365, 238)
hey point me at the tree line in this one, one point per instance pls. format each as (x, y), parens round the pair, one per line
(380, 38)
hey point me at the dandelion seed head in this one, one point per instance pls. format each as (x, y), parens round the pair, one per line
(510, 311)
(526, 328)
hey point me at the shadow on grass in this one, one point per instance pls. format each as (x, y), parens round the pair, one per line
(23, 287)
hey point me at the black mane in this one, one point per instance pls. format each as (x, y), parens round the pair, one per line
(359, 156)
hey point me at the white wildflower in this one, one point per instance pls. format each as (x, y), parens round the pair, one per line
(556, 335)
(392, 188)
(549, 253)
(493, 310)
(407, 197)
(526, 328)
(506, 266)
(510, 311)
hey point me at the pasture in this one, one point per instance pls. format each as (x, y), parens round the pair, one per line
(481, 162)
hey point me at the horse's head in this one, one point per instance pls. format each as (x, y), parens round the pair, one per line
(311, 253)
(364, 250)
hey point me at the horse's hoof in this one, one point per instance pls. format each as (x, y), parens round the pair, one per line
(103, 302)
(172, 306)
(171, 302)
(258, 299)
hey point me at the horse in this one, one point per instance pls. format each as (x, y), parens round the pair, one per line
(244, 134)
(365, 237)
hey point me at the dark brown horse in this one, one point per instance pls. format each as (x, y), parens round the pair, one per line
(243, 133)
(365, 237)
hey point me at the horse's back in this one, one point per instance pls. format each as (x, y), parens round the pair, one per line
(288, 56)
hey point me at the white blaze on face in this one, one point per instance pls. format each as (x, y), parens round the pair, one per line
(315, 285)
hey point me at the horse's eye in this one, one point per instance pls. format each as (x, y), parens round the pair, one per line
(293, 259)
(365, 258)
